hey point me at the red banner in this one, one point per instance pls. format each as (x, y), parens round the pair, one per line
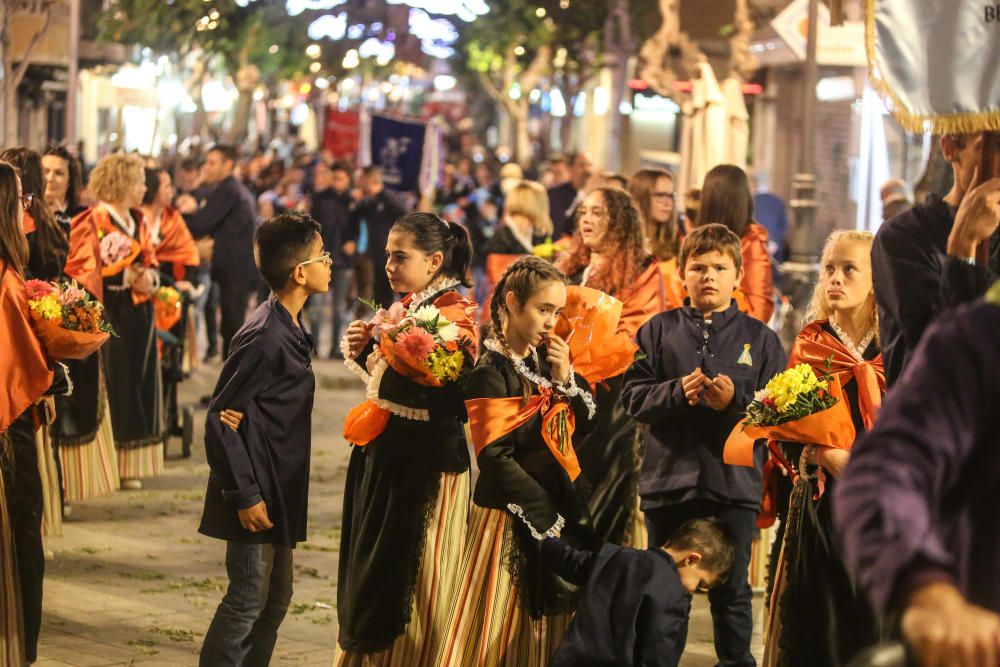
(342, 133)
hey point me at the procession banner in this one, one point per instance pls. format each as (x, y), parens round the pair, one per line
(397, 146)
(342, 133)
(934, 62)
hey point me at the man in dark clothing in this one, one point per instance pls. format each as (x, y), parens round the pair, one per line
(228, 216)
(924, 261)
(916, 506)
(701, 365)
(376, 214)
(564, 198)
(634, 604)
(258, 445)
(330, 205)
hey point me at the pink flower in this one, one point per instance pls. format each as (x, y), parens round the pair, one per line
(71, 294)
(39, 288)
(387, 320)
(417, 342)
(115, 247)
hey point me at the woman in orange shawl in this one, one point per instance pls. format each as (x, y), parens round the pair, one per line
(130, 361)
(177, 255)
(608, 253)
(726, 199)
(654, 193)
(818, 615)
(25, 376)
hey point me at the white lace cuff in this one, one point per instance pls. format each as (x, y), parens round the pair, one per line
(375, 381)
(554, 531)
(570, 390)
(351, 363)
(69, 379)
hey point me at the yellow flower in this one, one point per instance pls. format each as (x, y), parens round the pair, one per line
(786, 387)
(48, 307)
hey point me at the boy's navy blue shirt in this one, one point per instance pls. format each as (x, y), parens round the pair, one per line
(268, 377)
(632, 610)
(683, 446)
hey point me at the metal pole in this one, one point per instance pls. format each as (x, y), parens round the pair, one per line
(803, 246)
(72, 76)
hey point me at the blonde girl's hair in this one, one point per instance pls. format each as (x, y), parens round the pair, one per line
(819, 307)
(115, 175)
(531, 200)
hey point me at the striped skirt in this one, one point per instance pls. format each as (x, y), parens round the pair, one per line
(488, 627)
(437, 578)
(52, 522)
(90, 470)
(140, 462)
(11, 642)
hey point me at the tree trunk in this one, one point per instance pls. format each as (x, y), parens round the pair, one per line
(619, 46)
(12, 76)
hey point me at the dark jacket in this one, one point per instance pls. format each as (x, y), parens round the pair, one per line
(632, 610)
(379, 213)
(917, 502)
(229, 216)
(561, 200)
(267, 376)
(683, 447)
(917, 280)
(332, 212)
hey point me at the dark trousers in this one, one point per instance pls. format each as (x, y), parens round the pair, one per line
(731, 602)
(245, 627)
(23, 490)
(234, 298)
(211, 318)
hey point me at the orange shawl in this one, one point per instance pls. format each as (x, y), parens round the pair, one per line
(142, 246)
(755, 296)
(28, 224)
(176, 243)
(492, 418)
(673, 284)
(814, 345)
(24, 369)
(647, 297)
(496, 264)
(83, 263)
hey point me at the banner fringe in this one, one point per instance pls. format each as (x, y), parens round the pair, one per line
(958, 123)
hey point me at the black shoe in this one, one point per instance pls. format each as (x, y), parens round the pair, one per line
(211, 354)
(205, 400)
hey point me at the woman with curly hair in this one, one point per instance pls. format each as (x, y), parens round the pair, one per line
(130, 360)
(608, 253)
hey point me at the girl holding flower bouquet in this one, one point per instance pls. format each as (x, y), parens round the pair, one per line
(130, 279)
(818, 615)
(406, 494)
(25, 375)
(526, 409)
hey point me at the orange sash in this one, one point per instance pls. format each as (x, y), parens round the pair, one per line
(176, 243)
(492, 418)
(24, 369)
(83, 263)
(755, 295)
(673, 285)
(496, 264)
(367, 421)
(646, 298)
(814, 345)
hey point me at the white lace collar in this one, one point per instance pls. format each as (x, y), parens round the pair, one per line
(128, 224)
(857, 351)
(439, 284)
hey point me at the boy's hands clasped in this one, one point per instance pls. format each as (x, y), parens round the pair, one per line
(717, 393)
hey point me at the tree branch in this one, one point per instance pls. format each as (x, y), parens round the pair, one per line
(22, 67)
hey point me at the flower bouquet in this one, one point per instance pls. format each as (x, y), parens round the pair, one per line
(589, 323)
(117, 252)
(68, 321)
(797, 406)
(551, 249)
(168, 308)
(420, 344)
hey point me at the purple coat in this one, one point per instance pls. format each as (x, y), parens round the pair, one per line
(918, 500)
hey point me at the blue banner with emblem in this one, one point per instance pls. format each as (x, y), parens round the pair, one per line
(397, 146)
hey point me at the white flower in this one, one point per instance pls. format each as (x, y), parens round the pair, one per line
(761, 395)
(449, 332)
(427, 314)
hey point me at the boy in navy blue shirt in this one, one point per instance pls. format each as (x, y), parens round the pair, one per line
(634, 604)
(258, 442)
(702, 364)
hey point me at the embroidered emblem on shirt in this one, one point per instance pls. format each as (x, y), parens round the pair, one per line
(745, 358)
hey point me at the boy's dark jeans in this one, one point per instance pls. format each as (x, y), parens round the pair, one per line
(731, 602)
(245, 627)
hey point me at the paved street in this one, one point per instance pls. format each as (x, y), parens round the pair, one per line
(134, 583)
